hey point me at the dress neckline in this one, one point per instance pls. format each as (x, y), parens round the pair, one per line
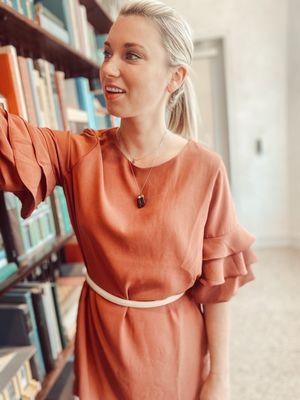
(163, 164)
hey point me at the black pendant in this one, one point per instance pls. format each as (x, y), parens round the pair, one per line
(140, 201)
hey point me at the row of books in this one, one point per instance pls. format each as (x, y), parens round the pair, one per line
(49, 220)
(67, 20)
(24, 7)
(41, 95)
(41, 314)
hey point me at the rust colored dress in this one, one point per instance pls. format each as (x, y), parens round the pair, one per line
(186, 238)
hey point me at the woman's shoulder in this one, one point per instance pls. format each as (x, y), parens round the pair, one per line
(205, 156)
(89, 135)
(99, 134)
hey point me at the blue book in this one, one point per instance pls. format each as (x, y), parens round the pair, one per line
(16, 330)
(64, 209)
(54, 29)
(7, 270)
(20, 296)
(56, 8)
(17, 6)
(68, 20)
(100, 39)
(86, 100)
(26, 9)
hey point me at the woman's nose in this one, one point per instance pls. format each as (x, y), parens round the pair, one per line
(110, 68)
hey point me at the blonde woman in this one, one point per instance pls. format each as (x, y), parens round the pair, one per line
(154, 217)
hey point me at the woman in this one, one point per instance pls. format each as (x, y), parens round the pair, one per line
(154, 217)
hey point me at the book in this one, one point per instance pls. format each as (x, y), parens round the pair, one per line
(60, 212)
(62, 331)
(10, 81)
(50, 23)
(59, 80)
(31, 234)
(68, 292)
(42, 327)
(51, 319)
(85, 98)
(6, 268)
(27, 90)
(34, 92)
(55, 98)
(16, 329)
(43, 68)
(19, 296)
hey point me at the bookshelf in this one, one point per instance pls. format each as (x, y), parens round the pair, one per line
(96, 16)
(35, 42)
(25, 269)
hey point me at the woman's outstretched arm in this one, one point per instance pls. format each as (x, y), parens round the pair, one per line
(34, 160)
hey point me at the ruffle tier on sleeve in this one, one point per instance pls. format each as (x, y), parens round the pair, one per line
(226, 249)
(227, 265)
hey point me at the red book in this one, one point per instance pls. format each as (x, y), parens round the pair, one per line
(10, 81)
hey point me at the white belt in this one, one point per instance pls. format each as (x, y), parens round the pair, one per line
(130, 303)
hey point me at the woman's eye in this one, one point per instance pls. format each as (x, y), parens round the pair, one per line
(105, 53)
(134, 55)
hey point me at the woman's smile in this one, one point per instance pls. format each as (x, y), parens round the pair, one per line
(112, 96)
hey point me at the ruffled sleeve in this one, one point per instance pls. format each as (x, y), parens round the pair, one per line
(227, 256)
(34, 160)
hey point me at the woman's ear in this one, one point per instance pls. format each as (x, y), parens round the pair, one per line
(177, 78)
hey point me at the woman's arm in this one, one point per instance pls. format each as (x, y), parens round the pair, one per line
(34, 160)
(217, 385)
(217, 320)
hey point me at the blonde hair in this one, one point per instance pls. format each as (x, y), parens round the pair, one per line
(177, 41)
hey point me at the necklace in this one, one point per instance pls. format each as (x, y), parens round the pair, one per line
(140, 198)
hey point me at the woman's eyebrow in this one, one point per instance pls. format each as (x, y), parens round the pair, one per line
(128, 44)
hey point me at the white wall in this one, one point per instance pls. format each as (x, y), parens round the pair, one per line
(294, 117)
(255, 39)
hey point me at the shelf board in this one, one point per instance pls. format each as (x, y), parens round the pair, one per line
(33, 41)
(96, 16)
(24, 269)
(52, 376)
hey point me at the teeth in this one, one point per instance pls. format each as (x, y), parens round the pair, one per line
(115, 90)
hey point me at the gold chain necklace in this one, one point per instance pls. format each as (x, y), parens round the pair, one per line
(140, 198)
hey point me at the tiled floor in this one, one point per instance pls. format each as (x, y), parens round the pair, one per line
(265, 331)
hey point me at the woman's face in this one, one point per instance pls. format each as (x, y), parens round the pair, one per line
(142, 72)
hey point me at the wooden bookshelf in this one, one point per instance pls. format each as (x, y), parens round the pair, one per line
(96, 16)
(35, 42)
(52, 376)
(34, 261)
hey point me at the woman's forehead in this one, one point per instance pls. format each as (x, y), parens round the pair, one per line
(133, 29)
